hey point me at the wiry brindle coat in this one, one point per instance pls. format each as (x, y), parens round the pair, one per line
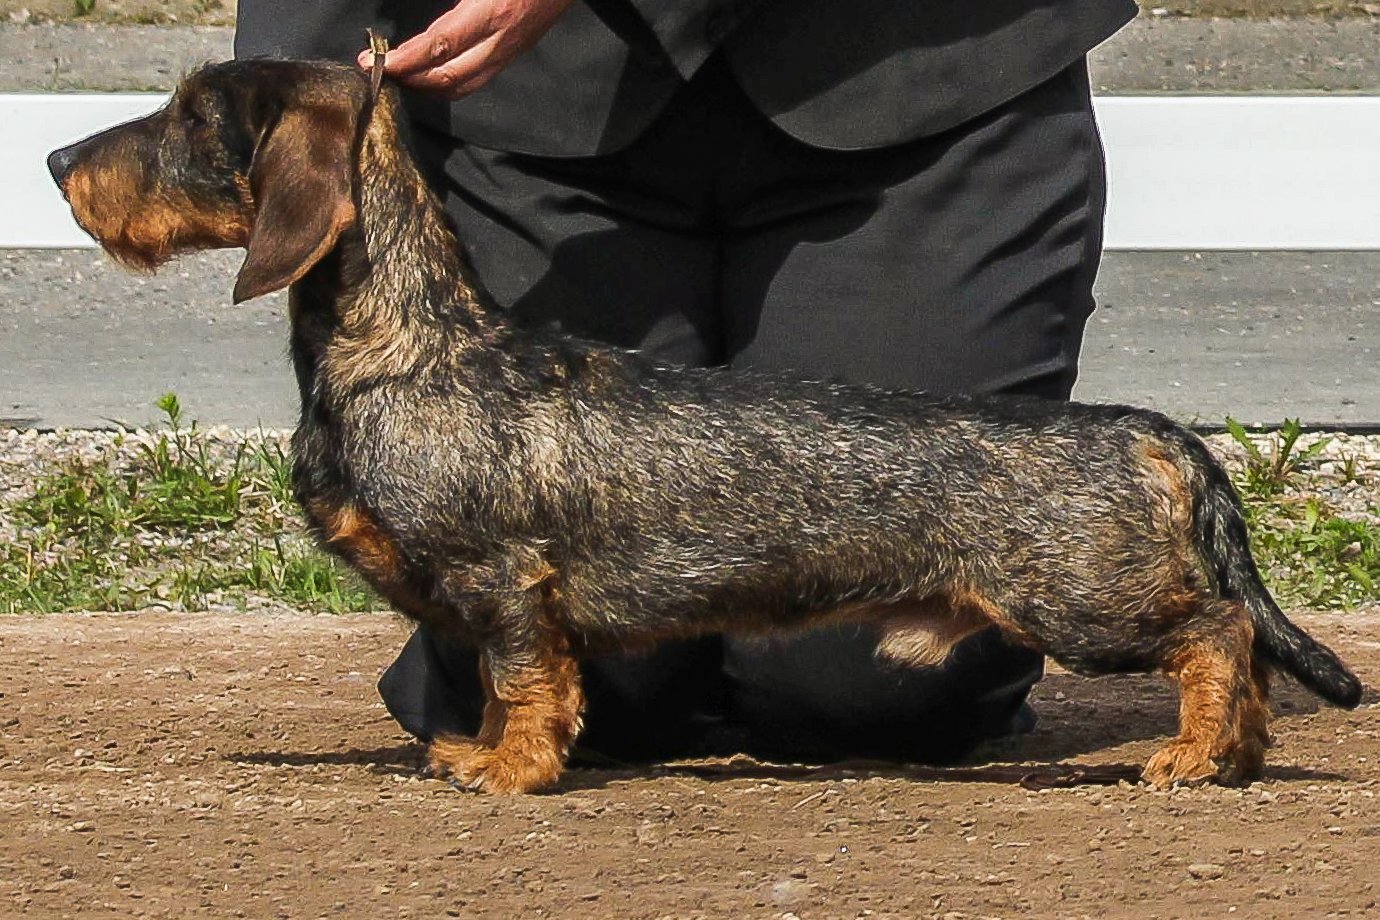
(546, 498)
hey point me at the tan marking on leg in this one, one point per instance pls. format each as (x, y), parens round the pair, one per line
(1168, 482)
(495, 710)
(359, 539)
(537, 713)
(454, 755)
(1214, 677)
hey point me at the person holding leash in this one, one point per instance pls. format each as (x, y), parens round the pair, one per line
(908, 194)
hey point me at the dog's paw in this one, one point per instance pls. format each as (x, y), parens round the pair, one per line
(1245, 764)
(470, 767)
(448, 755)
(1180, 763)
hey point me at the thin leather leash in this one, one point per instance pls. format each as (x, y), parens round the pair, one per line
(379, 45)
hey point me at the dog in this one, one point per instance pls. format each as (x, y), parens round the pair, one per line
(547, 498)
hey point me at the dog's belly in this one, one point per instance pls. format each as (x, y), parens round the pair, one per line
(918, 612)
(911, 632)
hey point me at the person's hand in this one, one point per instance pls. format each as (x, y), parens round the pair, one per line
(467, 45)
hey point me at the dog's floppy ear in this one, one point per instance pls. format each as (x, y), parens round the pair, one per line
(302, 182)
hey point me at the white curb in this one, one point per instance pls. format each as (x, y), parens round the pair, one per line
(1246, 172)
(32, 212)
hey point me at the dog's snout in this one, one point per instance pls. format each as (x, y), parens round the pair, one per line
(60, 163)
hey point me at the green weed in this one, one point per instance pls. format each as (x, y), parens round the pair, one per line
(1310, 555)
(1268, 473)
(307, 578)
(174, 485)
(180, 520)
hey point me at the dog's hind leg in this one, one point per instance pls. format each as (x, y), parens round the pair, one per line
(1221, 712)
(1252, 728)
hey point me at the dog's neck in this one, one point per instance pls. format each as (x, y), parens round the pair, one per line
(395, 296)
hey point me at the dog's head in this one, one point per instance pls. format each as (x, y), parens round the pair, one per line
(259, 154)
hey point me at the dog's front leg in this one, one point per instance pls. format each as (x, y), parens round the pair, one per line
(532, 712)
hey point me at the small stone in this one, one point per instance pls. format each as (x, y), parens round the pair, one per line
(1207, 871)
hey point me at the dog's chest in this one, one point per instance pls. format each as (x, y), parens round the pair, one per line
(343, 523)
(358, 537)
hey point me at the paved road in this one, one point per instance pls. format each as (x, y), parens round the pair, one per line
(1258, 336)
(1151, 55)
(1201, 336)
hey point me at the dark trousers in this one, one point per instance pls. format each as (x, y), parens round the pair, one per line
(959, 262)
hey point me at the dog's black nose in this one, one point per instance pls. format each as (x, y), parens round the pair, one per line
(60, 162)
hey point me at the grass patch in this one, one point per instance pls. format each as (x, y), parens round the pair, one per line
(176, 518)
(1311, 553)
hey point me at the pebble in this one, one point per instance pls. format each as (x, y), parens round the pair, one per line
(1207, 871)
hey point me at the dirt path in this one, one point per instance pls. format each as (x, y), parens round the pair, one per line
(159, 765)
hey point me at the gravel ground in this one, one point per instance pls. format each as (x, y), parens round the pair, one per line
(52, 57)
(86, 342)
(1218, 56)
(175, 765)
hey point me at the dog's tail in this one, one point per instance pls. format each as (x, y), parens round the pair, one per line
(1225, 547)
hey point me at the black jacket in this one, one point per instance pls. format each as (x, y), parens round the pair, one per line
(835, 73)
